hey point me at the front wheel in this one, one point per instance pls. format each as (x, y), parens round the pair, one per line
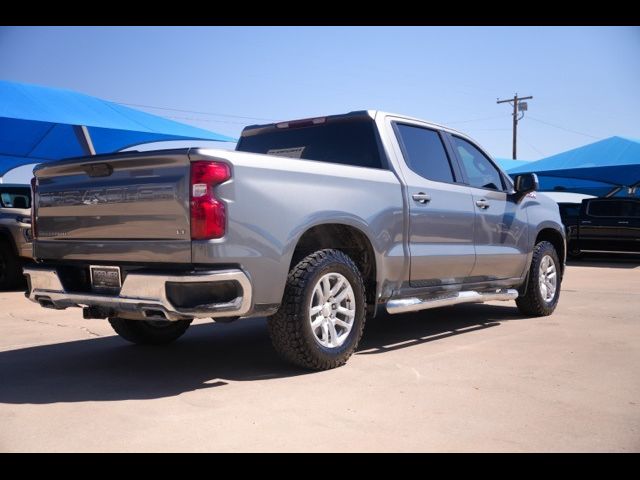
(322, 316)
(149, 332)
(543, 288)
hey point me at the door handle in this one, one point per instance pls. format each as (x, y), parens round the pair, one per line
(623, 223)
(421, 197)
(482, 203)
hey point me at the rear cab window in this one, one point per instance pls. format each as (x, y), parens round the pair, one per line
(424, 152)
(347, 140)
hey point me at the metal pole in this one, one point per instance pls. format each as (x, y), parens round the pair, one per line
(84, 139)
(612, 192)
(515, 124)
(515, 101)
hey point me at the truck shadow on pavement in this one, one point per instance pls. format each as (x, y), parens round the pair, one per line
(208, 356)
(393, 332)
(606, 261)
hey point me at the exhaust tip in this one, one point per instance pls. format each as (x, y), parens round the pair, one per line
(45, 302)
(154, 314)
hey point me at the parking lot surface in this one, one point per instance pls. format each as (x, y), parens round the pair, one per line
(464, 378)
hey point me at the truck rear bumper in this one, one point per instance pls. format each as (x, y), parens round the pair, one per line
(149, 296)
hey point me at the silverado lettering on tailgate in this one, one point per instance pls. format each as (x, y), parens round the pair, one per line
(95, 196)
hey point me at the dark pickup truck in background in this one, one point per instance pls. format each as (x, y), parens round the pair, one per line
(607, 225)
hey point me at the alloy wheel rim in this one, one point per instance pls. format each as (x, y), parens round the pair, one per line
(547, 278)
(332, 310)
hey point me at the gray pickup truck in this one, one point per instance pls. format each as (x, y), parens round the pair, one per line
(316, 224)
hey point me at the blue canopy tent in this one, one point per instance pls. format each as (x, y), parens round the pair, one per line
(43, 124)
(612, 163)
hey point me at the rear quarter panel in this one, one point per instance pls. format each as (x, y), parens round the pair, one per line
(272, 201)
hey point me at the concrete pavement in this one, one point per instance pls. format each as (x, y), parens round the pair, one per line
(465, 378)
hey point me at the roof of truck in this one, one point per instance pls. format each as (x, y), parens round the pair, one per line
(354, 113)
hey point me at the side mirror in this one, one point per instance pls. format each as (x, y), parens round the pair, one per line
(525, 183)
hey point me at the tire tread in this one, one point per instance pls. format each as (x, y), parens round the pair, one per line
(532, 303)
(286, 326)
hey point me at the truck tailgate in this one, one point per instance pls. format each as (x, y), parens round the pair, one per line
(131, 207)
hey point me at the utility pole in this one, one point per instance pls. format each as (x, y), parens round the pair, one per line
(518, 105)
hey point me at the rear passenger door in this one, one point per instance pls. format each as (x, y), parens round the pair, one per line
(441, 212)
(500, 236)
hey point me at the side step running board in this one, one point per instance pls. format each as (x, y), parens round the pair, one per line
(403, 305)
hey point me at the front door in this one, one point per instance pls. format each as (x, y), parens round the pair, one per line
(441, 212)
(500, 223)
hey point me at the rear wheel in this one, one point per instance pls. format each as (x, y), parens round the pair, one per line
(10, 270)
(322, 316)
(543, 288)
(149, 332)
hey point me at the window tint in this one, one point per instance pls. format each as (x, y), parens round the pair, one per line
(349, 142)
(15, 197)
(480, 171)
(425, 153)
(613, 208)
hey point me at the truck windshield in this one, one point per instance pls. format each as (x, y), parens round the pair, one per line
(348, 142)
(15, 197)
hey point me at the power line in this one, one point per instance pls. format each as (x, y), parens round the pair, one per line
(195, 111)
(477, 119)
(563, 128)
(534, 147)
(204, 120)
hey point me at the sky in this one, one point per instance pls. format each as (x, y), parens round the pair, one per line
(584, 80)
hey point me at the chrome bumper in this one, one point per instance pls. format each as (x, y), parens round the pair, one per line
(141, 295)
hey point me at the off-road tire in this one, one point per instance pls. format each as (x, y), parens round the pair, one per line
(531, 302)
(290, 328)
(143, 332)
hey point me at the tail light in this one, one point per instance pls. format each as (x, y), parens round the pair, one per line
(208, 213)
(34, 188)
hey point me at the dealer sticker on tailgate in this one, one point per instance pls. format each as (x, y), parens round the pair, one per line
(105, 278)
